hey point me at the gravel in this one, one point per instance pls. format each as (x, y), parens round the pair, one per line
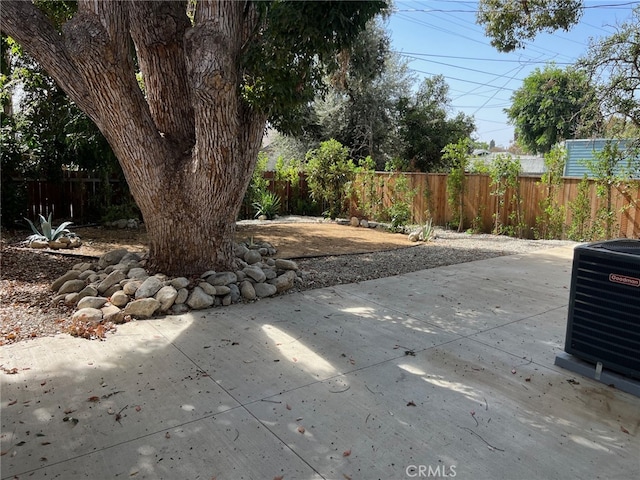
(26, 310)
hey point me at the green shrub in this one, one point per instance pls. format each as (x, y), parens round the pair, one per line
(329, 171)
(267, 205)
(48, 232)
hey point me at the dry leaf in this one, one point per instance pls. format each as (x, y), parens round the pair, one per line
(288, 406)
(411, 404)
(13, 402)
(167, 435)
(346, 453)
(624, 430)
(279, 477)
(513, 370)
(93, 399)
(138, 408)
(301, 429)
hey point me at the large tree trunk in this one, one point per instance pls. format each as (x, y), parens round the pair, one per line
(188, 144)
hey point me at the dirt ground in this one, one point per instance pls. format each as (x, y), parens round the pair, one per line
(292, 240)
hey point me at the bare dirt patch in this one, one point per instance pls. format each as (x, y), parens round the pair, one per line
(292, 240)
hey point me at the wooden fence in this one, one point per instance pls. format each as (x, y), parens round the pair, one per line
(481, 207)
(74, 198)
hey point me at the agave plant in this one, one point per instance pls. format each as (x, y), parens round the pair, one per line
(268, 205)
(48, 232)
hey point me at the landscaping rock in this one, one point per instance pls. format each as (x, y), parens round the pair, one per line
(119, 299)
(223, 278)
(180, 282)
(71, 286)
(208, 288)
(91, 302)
(117, 287)
(148, 288)
(112, 257)
(70, 275)
(183, 294)
(256, 273)
(113, 278)
(355, 222)
(285, 281)
(138, 273)
(252, 257)
(199, 299)
(130, 288)
(247, 290)
(142, 308)
(264, 290)
(282, 264)
(166, 296)
(90, 315)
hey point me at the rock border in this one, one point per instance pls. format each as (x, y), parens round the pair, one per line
(117, 288)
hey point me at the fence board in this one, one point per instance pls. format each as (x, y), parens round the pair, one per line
(71, 199)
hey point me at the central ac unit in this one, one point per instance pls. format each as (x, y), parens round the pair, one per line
(604, 307)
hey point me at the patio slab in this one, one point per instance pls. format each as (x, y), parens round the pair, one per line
(338, 383)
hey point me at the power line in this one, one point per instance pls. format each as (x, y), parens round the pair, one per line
(480, 59)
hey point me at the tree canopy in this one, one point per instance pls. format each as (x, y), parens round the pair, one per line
(213, 73)
(553, 105)
(613, 64)
(425, 126)
(510, 22)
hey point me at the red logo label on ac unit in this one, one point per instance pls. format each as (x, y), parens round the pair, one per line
(624, 280)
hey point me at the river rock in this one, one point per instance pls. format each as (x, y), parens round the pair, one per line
(111, 313)
(252, 257)
(71, 286)
(235, 292)
(255, 273)
(112, 257)
(285, 281)
(88, 291)
(283, 264)
(92, 302)
(119, 299)
(138, 273)
(199, 299)
(148, 288)
(247, 290)
(222, 278)
(130, 288)
(142, 308)
(183, 294)
(70, 275)
(91, 315)
(166, 296)
(208, 288)
(264, 289)
(180, 282)
(113, 278)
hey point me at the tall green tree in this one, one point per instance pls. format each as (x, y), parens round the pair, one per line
(359, 109)
(425, 125)
(510, 22)
(613, 64)
(554, 105)
(188, 144)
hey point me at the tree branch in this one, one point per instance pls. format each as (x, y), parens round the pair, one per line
(158, 30)
(33, 30)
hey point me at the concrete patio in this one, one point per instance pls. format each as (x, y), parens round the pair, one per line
(440, 373)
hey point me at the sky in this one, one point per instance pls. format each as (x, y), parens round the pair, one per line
(441, 37)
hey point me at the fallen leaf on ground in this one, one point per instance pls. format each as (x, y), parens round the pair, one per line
(624, 430)
(288, 406)
(93, 399)
(138, 408)
(167, 435)
(513, 370)
(301, 429)
(346, 453)
(13, 402)
(411, 404)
